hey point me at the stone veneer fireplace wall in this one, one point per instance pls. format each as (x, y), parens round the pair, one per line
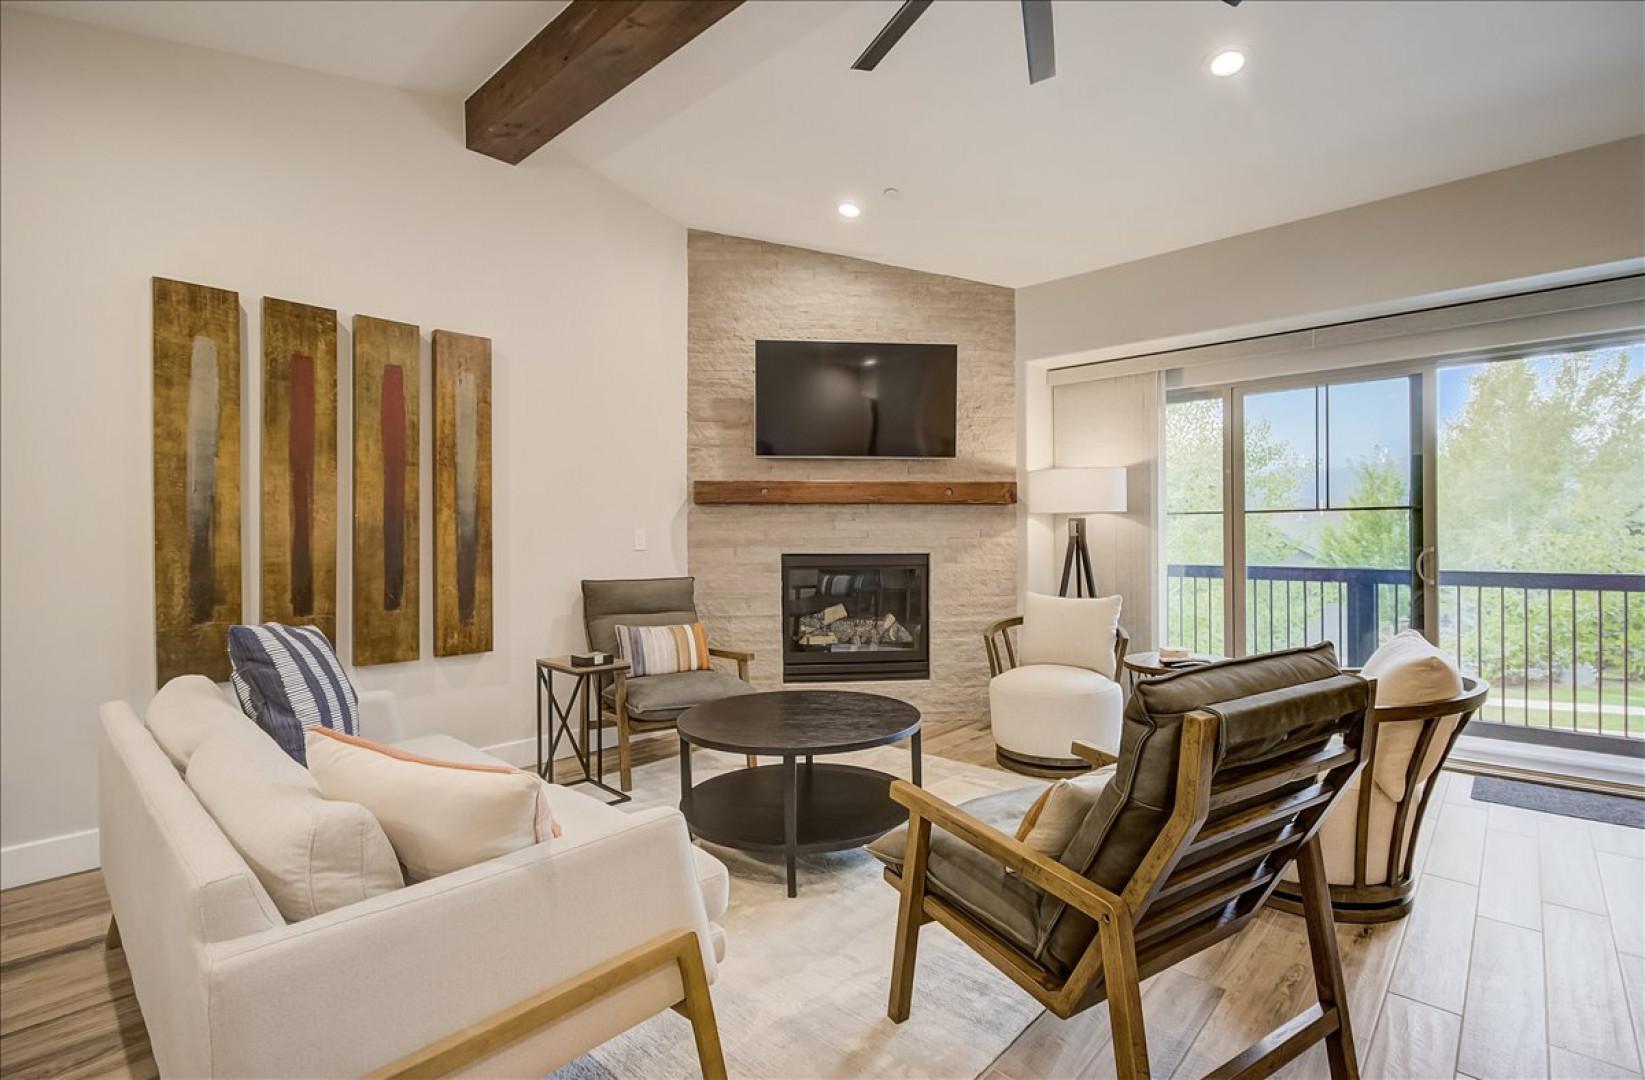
(745, 290)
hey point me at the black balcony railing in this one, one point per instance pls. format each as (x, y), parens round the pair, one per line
(1561, 651)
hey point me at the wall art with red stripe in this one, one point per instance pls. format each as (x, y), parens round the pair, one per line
(385, 491)
(299, 467)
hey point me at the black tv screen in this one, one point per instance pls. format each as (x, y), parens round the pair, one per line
(853, 399)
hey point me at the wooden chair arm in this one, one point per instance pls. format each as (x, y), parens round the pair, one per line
(465, 1046)
(1003, 625)
(1035, 868)
(1002, 657)
(1097, 758)
(730, 654)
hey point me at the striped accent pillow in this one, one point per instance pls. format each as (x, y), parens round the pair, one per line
(288, 679)
(662, 650)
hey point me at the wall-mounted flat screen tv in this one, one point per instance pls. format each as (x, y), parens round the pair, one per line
(854, 399)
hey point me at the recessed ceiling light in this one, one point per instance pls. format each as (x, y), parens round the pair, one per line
(1227, 63)
(849, 210)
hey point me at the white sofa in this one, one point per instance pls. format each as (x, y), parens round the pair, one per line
(228, 988)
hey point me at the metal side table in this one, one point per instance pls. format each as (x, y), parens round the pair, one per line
(586, 687)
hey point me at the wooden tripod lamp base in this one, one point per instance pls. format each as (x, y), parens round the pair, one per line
(1099, 490)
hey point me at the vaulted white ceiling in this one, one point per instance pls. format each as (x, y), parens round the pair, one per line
(760, 128)
(445, 47)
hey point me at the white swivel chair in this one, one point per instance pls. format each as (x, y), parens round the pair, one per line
(1055, 672)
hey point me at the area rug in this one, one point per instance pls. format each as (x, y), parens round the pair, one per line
(802, 989)
(1588, 805)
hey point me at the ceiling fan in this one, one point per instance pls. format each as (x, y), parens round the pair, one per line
(1036, 32)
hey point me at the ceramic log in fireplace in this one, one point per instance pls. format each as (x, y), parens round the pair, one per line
(848, 618)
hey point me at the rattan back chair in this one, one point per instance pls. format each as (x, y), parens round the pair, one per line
(1253, 780)
(1382, 887)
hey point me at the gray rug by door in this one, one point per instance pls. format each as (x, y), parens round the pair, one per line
(1589, 805)
(802, 989)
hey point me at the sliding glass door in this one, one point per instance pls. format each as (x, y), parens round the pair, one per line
(1330, 529)
(1541, 479)
(1196, 465)
(1496, 505)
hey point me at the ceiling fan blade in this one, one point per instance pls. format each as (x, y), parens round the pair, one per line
(1036, 32)
(891, 34)
(1232, 3)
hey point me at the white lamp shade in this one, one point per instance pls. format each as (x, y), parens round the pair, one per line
(1077, 491)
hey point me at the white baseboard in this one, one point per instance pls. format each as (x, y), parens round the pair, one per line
(55, 856)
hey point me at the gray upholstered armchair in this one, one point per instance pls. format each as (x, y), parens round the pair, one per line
(654, 702)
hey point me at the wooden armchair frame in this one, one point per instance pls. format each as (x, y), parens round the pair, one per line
(1207, 873)
(1360, 902)
(626, 724)
(1002, 647)
(483, 1038)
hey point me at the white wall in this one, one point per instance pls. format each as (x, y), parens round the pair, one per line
(1544, 221)
(122, 158)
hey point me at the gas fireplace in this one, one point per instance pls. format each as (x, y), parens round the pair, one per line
(856, 617)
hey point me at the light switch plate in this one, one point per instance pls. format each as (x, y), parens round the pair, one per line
(639, 539)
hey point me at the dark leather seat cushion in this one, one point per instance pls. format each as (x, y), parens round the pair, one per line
(1295, 692)
(976, 883)
(665, 697)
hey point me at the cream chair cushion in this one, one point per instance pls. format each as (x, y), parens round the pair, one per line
(1039, 710)
(440, 815)
(311, 853)
(1409, 670)
(1073, 632)
(1056, 815)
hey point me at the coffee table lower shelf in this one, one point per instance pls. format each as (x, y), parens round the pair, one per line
(833, 807)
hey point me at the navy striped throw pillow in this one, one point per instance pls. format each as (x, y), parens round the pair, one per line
(288, 679)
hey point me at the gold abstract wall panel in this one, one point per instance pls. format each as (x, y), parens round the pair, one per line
(385, 491)
(462, 494)
(299, 468)
(196, 477)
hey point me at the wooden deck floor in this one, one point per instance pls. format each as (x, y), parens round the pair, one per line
(1525, 957)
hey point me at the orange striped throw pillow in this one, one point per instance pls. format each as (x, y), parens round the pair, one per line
(662, 650)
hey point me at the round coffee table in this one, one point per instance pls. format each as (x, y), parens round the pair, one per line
(798, 805)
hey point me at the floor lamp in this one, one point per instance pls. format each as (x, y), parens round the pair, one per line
(1076, 492)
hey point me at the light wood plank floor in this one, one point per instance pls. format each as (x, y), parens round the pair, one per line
(1523, 958)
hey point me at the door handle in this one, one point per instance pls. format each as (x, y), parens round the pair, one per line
(1422, 565)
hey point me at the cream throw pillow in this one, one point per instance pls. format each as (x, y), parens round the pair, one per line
(1410, 670)
(1055, 816)
(311, 853)
(1075, 632)
(439, 815)
(190, 711)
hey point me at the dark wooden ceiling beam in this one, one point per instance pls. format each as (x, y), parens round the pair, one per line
(588, 53)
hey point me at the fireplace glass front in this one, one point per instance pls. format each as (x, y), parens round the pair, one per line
(855, 617)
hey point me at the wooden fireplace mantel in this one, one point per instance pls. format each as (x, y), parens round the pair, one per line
(846, 492)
